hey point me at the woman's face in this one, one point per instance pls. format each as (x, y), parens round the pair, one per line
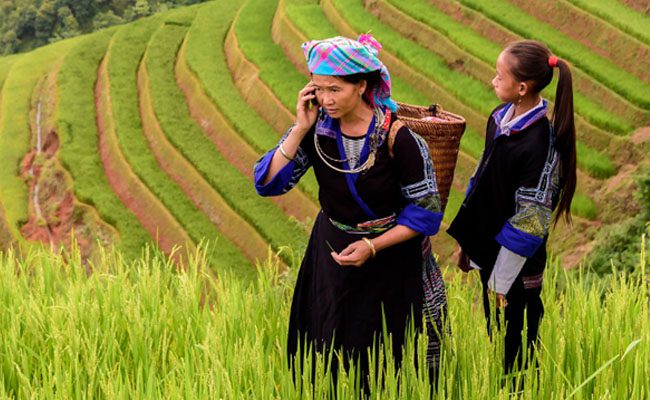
(504, 83)
(338, 97)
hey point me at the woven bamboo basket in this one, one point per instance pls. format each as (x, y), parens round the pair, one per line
(443, 137)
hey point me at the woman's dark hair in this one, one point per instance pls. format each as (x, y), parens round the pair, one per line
(372, 81)
(530, 63)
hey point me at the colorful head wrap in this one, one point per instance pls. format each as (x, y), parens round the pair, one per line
(339, 56)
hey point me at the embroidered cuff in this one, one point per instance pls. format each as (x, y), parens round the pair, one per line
(279, 183)
(420, 220)
(517, 241)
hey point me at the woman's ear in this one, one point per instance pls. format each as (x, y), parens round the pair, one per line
(363, 85)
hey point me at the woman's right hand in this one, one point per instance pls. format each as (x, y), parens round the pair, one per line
(306, 113)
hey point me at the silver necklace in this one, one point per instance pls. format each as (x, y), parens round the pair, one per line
(374, 138)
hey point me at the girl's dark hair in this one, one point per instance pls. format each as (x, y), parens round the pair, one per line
(372, 81)
(530, 63)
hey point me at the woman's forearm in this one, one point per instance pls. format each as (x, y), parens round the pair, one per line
(395, 235)
(290, 147)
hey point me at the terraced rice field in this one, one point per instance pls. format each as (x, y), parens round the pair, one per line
(160, 121)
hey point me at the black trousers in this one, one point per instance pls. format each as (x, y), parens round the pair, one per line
(520, 299)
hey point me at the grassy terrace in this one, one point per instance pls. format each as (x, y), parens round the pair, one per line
(590, 89)
(481, 48)
(209, 65)
(630, 21)
(595, 163)
(5, 65)
(600, 68)
(79, 143)
(125, 54)
(582, 26)
(15, 135)
(187, 137)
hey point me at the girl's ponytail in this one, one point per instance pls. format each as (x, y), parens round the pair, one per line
(565, 137)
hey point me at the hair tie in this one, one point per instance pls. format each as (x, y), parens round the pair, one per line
(552, 61)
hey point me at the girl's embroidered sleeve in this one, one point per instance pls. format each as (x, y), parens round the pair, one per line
(285, 179)
(423, 213)
(538, 186)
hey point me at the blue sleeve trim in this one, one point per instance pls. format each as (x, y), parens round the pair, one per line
(280, 181)
(420, 220)
(517, 241)
(470, 185)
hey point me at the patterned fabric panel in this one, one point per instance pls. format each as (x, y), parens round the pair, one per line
(425, 192)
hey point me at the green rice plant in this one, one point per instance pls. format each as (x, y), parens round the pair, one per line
(15, 135)
(616, 13)
(142, 329)
(600, 68)
(208, 63)
(75, 121)
(488, 51)
(182, 131)
(125, 53)
(593, 162)
(583, 206)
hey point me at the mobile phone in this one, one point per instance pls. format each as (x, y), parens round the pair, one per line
(314, 101)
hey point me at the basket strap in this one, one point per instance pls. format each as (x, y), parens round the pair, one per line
(392, 134)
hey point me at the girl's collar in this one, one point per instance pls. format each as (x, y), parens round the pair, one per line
(520, 123)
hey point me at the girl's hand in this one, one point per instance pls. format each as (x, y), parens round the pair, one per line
(501, 301)
(356, 254)
(306, 113)
(463, 261)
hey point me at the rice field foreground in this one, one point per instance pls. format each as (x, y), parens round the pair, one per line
(141, 329)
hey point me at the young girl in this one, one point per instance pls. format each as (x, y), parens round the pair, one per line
(528, 170)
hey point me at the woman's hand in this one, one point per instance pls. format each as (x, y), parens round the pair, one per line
(306, 113)
(356, 254)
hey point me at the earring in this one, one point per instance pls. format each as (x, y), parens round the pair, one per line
(519, 101)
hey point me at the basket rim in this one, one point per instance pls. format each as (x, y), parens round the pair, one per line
(439, 109)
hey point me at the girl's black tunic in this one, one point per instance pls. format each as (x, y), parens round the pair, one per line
(343, 306)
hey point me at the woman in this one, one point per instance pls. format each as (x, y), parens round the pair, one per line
(368, 255)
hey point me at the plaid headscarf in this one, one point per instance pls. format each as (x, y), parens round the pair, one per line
(339, 56)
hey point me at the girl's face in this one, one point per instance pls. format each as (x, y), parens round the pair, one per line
(338, 97)
(506, 87)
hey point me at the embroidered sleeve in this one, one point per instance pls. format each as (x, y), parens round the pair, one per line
(423, 213)
(285, 179)
(525, 231)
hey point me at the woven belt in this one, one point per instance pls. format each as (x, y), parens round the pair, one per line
(374, 226)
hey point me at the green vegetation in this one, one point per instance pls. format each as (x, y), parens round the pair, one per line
(618, 249)
(125, 54)
(488, 51)
(79, 144)
(583, 206)
(187, 137)
(616, 13)
(594, 162)
(209, 65)
(15, 135)
(602, 69)
(27, 24)
(143, 330)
